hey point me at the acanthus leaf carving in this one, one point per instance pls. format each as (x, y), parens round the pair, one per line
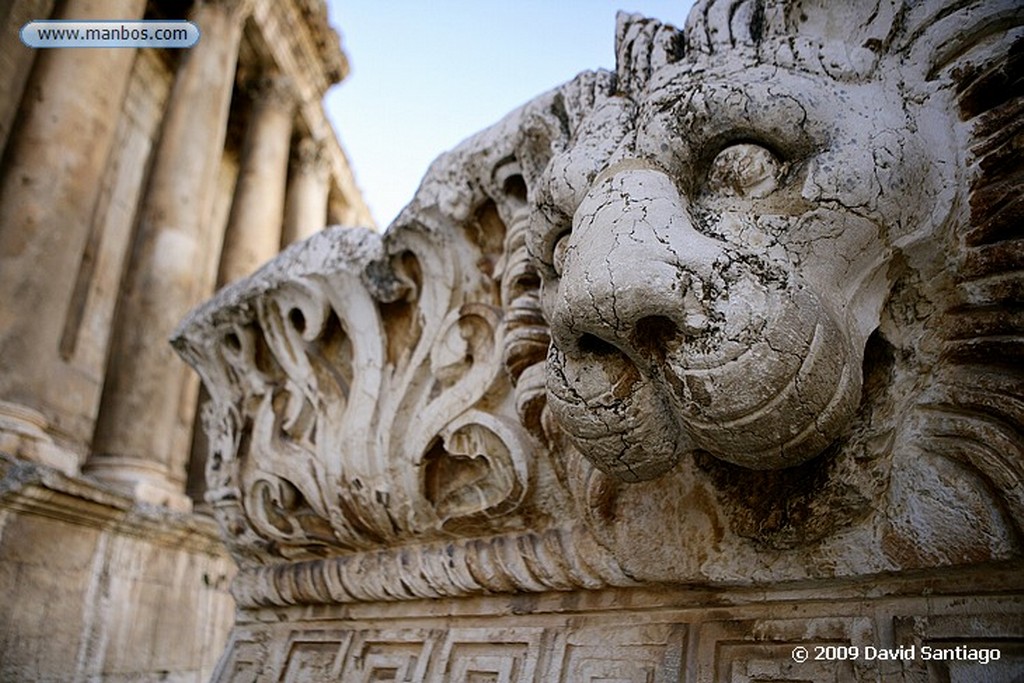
(325, 443)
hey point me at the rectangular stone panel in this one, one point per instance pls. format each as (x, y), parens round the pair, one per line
(242, 661)
(490, 656)
(314, 656)
(389, 656)
(943, 654)
(781, 650)
(31, 574)
(788, 635)
(623, 653)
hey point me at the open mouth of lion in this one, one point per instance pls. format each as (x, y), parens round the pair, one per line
(777, 403)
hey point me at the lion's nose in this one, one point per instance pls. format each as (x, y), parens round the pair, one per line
(635, 274)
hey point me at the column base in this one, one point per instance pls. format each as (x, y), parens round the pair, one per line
(141, 479)
(23, 435)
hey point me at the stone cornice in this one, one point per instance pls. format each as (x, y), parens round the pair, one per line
(302, 44)
(276, 589)
(557, 560)
(325, 39)
(39, 490)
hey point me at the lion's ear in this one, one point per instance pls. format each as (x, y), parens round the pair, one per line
(718, 25)
(541, 136)
(642, 46)
(942, 36)
(548, 127)
(973, 408)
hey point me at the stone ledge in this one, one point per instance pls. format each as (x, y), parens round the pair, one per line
(37, 489)
(1000, 580)
(670, 633)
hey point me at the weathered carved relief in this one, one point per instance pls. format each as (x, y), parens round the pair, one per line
(362, 399)
(686, 641)
(749, 254)
(769, 270)
(744, 311)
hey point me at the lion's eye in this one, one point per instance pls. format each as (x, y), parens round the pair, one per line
(558, 252)
(745, 170)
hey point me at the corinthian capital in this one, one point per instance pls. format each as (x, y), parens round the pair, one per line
(274, 90)
(309, 155)
(239, 9)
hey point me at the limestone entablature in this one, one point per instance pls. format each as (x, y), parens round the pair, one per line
(652, 370)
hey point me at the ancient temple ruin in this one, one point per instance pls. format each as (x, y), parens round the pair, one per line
(133, 181)
(707, 369)
(704, 369)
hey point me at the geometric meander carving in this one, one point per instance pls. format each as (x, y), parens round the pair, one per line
(744, 311)
(679, 644)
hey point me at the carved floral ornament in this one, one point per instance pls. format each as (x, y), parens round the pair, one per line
(745, 310)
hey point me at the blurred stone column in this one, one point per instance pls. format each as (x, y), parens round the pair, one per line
(16, 63)
(147, 390)
(306, 208)
(254, 227)
(48, 191)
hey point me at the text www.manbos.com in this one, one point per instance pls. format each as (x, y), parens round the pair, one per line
(55, 34)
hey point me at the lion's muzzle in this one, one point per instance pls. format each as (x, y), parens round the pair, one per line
(666, 340)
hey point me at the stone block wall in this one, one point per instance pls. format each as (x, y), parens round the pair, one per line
(98, 588)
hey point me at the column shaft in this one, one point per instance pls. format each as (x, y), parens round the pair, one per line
(146, 387)
(48, 191)
(306, 205)
(254, 228)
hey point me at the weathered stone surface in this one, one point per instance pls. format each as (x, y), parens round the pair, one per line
(663, 634)
(45, 225)
(118, 171)
(740, 314)
(126, 592)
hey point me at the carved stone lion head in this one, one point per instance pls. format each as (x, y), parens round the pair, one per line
(720, 239)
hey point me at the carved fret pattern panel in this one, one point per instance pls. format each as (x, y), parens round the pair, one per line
(314, 656)
(310, 661)
(600, 644)
(746, 651)
(607, 653)
(389, 656)
(755, 663)
(942, 633)
(491, 655)
(243, 661)
(624, 654)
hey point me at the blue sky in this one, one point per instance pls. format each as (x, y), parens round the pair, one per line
(426, 75)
